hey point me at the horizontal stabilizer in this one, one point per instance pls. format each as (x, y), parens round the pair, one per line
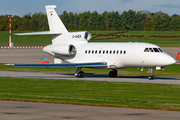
(40, 33)
(71, 65)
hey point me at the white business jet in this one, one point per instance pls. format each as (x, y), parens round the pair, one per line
(73, 47)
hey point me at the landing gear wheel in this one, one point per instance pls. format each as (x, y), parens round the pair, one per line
(80, 74)
(151, 77)
(113, 73)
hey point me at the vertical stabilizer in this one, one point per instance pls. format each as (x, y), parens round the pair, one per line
(55, 24)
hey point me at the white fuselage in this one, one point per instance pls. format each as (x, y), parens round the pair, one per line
(117, 55)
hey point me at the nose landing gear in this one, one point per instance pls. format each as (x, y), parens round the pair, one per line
(150, 71)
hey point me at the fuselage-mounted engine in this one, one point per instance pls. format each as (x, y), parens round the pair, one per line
(62, 46)
(64, 49)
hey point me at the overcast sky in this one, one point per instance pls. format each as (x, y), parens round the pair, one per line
(22, 7)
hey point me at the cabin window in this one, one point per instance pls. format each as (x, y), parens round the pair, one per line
(89, 51)
(117, 52)
(110, 52)
(86, 52)
(121, 52)
(146, 50)
(100, 52)
(114, 52)
(96, 52)
(124, 52)
(103, 51)
(107, 52)
(155, 49)
(92, 51)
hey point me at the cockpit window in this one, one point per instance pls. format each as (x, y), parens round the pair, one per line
(146, 50)
(155, 49)
(160, 49)
(150, 50)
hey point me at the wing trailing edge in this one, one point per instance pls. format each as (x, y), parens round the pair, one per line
(71, 65)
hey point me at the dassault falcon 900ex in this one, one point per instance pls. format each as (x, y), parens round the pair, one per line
(73, 47)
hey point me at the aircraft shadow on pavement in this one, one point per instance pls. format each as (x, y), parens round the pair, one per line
(91, 75)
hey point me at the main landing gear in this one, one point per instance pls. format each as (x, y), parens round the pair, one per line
(79, 73)
(150, 71)
(113, 73)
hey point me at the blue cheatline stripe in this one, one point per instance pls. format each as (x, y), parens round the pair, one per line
(72, 65)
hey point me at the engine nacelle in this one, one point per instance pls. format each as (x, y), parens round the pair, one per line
(64, 49)
(81, 36)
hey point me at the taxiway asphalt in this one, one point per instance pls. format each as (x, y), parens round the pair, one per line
(11, 110)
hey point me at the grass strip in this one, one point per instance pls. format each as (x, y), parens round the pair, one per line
(113, 94)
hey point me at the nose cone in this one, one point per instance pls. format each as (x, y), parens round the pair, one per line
(171, 61)
(168, 60)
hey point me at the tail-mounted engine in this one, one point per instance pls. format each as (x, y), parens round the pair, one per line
(81, 36)
(64, 49)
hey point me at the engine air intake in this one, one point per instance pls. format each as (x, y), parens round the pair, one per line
(72, 49)
(87, 36)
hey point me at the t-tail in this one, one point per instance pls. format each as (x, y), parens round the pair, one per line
(59, 33)
(63, 42)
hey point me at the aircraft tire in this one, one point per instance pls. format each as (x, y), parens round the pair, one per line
(80, 74)
(112, 74)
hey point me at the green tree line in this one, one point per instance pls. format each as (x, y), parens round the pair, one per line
(128, 20)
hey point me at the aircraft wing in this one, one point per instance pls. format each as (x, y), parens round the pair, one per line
(71, 65)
